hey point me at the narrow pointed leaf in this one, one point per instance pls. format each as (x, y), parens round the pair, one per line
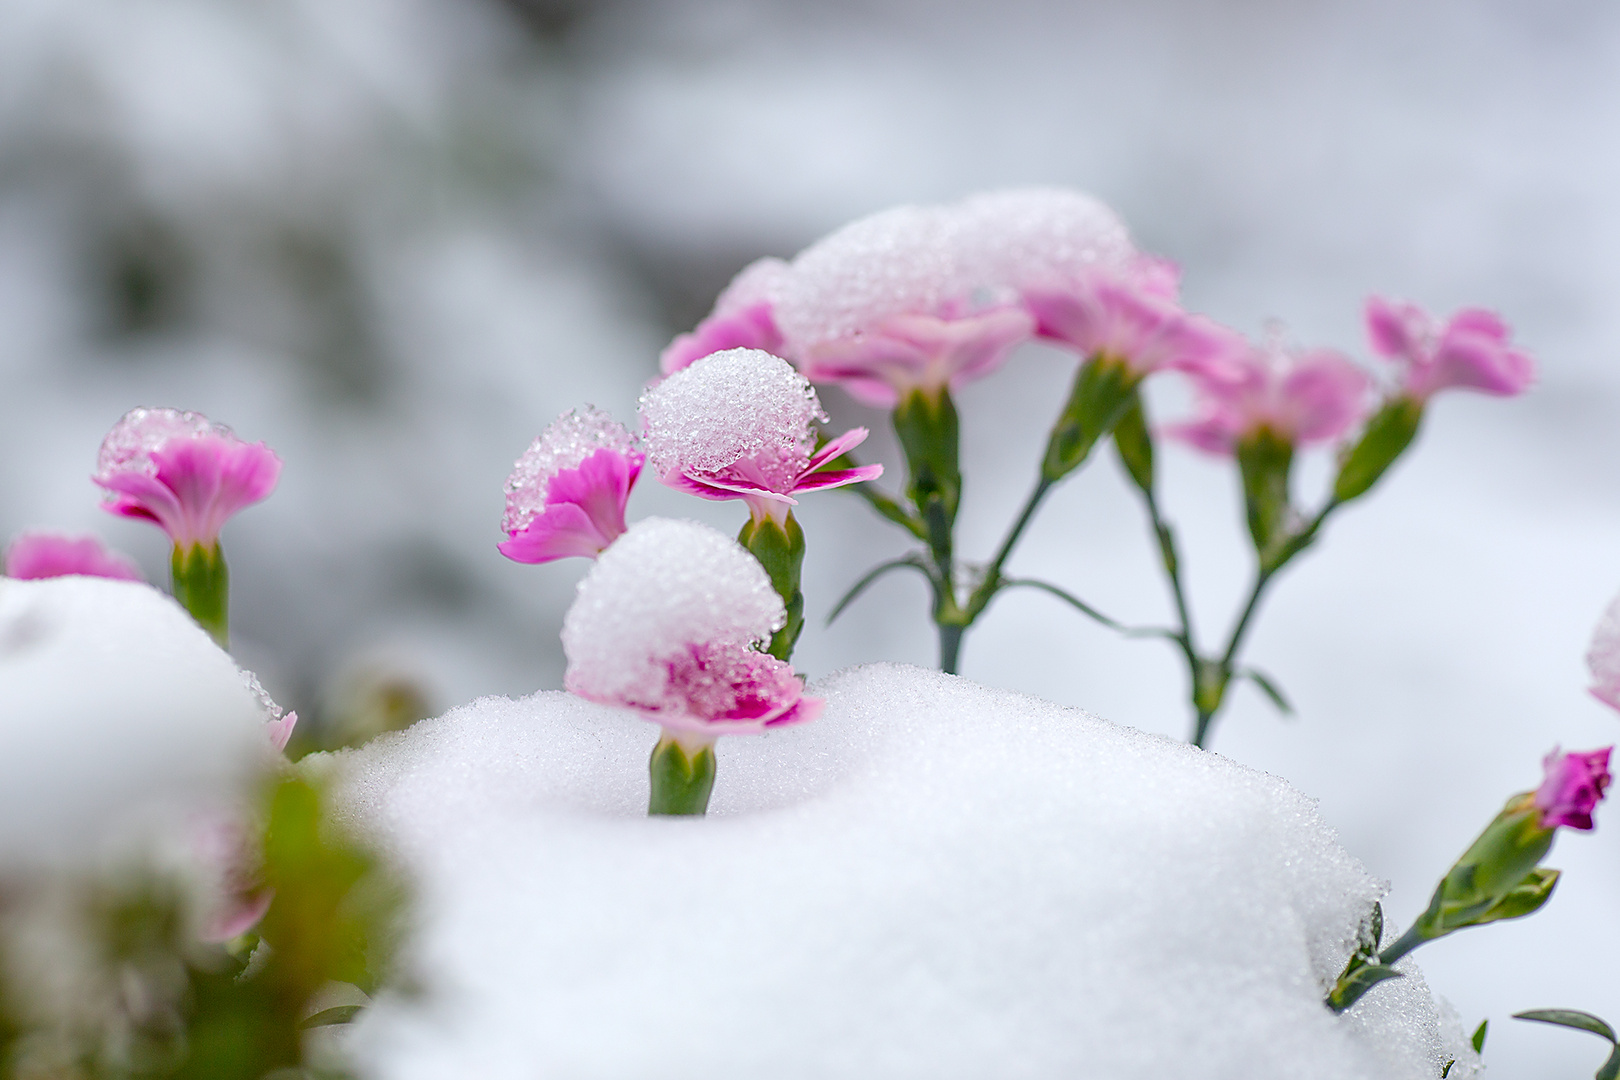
(1268, 688)
(1353, 984)
(341, 1014)
(1478, 1040)
(1570, 1018)
(872, 575)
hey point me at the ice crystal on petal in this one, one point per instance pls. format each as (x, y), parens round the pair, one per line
(739, 410)
(132, 441)
(571, 438)
(662, 588)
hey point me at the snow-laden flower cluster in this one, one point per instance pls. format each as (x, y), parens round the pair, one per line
(666, 623)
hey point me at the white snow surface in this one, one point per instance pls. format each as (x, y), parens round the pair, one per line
(934, 879)
(116, 710)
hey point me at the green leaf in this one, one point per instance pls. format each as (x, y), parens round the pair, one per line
(340, 1014)
(1089, 611)
(1445, 1072)
(1387, 435)
(1478, 1040)
(1102, 391)
(887, 506)
(1570, 1018)
(1355, 982)
(1134, 444)
(872, 575)
(1268, 688)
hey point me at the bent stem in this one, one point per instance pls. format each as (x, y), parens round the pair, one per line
(682, 777)
(202, 585)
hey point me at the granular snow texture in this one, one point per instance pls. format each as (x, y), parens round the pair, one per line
(934, 880)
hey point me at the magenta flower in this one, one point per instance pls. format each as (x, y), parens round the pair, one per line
(1603, 658)
(738, 425)
(1471, 350)
(567, 493)
(743, 318)
(183, 472)
(1301, 397)
(1573, 787)
(1132, 317)
(47, 555)
(666, 624)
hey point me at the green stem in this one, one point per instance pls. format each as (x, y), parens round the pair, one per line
(992, 582)
(201, 584)
(950, 646)
(1406, 943)
(682, 777)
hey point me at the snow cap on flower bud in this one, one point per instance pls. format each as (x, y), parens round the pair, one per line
(1470, 350)
(1573, 786)
(666, 623)
(183, 472)
(1603, 658)
(738, 425)
(35, 555)
(567, 493)
(743, 318)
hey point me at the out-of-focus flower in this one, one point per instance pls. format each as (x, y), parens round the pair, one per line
(567, 493)
(1574, 785)
(226, 849)
(1299, 397)
(666, 623)
(743, 318)
(183, 472)
(46, 555)
(1603, 658)
(1131, 317)
(737, 425)
(1471, 350)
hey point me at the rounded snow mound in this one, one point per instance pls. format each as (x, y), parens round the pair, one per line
(933, 880)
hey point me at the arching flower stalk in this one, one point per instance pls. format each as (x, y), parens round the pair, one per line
(739, 424)
(189, 476)
(667, 624)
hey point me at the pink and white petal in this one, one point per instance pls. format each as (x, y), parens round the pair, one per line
(837, 447)
(137, 495)
(557, 532)
(803, 711)
(713, 488)
(1325, 395)
(280, 731)
(835, 478)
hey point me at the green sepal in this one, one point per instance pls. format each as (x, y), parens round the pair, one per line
(1265, 460)
(202, 585)
(779, 547)
(1268, 687)
(1581, 1021)
(1134, 444)
(1497, 864)
(1103, 390)
(682, 778)
(1523, 899)
(1478, 1040)
(930, 436)
(1355, 982)
(1385, 438)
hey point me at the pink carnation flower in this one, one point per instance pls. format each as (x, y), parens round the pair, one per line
(182, 471)
(237, 898)
(567, 493)
(1573, 787)
(1603, 658)
(666, 624)
(48, 555)
(738, 425)
(743, 318)
(1471, 350)
(1302, 397)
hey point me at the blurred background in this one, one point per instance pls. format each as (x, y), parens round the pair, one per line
(395, 238)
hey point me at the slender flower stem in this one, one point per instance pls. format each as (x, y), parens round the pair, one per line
(992, 575)
(950, 646)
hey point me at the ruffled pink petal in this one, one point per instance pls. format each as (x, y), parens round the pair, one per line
(729, 689)
(910, 352)
(836, 478)
(1324, 396)
(46, 555)
(837, 447)
(753, 327)
(195, 485)
(709, 487)
(1395, 329)
(1573, 786)
(560, 531)
(583, 513)
(1473, 353)
(136, 495)
(280, 731)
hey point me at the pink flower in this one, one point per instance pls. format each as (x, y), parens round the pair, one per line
(1573, 787)
(1471, 350)
(1132, 317)
(743, 318)
(47, 555)
(183, 472)
(1302, 397)
(737, 425)
(567, 493)
(226, 848)
(1603, 658)
(666, 624)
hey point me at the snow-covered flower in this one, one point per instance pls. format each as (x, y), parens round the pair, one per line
(666, 623)
(743, 318)
(1603, 658)
(738, 425)
(1470, 350)
(183, 472)
(1300, 397)
(567, 493)
(1574, 785)
(36, 555)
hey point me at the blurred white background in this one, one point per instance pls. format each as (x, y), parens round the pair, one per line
(395, 239)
